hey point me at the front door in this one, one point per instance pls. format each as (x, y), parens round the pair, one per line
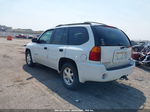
(41, 50)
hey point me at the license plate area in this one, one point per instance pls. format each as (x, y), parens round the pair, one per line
(120, 56)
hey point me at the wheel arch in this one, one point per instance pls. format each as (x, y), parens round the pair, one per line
(64, 60)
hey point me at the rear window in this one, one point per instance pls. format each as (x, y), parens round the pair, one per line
(109, 36)
(78, 35)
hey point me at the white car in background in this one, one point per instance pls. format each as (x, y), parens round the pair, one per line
(30, 37)
(83, 52)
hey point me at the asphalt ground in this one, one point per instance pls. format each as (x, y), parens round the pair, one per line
(22, 87)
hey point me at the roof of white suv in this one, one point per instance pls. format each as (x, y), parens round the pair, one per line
(77, 24)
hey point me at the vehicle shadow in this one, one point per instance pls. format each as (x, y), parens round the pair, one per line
(112, 95)
(145, 68)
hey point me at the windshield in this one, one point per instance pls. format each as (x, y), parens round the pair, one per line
(110, 36)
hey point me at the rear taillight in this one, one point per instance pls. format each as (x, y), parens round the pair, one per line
(95, 54)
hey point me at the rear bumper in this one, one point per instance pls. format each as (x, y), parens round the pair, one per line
(98, 72)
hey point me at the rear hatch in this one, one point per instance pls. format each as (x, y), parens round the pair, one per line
(115, 46)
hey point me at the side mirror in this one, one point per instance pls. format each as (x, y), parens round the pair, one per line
(35, 40)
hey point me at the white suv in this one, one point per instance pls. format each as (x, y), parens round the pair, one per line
(83, 52)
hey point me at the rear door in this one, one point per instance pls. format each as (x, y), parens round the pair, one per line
(115, 46)
(57, 47)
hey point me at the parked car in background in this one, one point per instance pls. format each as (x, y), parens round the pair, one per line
(30, 37)
(38, 35)
(140, 46)
(21, 36)
(83, 52)
(133, 43)
(142, 57)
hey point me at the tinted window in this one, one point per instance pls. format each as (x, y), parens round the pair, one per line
(60, 36)
(45, 37)
(109, 36)
(78, 35)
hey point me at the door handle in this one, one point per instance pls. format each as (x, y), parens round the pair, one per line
(45, 48)
(61, 50)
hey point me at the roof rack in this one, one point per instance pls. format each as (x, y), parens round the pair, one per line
(88, 23)
(94, 23)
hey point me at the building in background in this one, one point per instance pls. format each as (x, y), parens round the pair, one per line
(5, 31)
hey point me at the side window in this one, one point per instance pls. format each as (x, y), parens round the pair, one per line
(46, 37)
(78, 35)
(60, 36)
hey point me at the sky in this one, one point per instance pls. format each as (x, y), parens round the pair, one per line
(132, 16)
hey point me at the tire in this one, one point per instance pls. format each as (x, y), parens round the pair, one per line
(148, 64)
(137, 64)
(28, 57)
(69, 75)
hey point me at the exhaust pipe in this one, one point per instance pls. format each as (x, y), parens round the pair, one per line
(124, 78)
